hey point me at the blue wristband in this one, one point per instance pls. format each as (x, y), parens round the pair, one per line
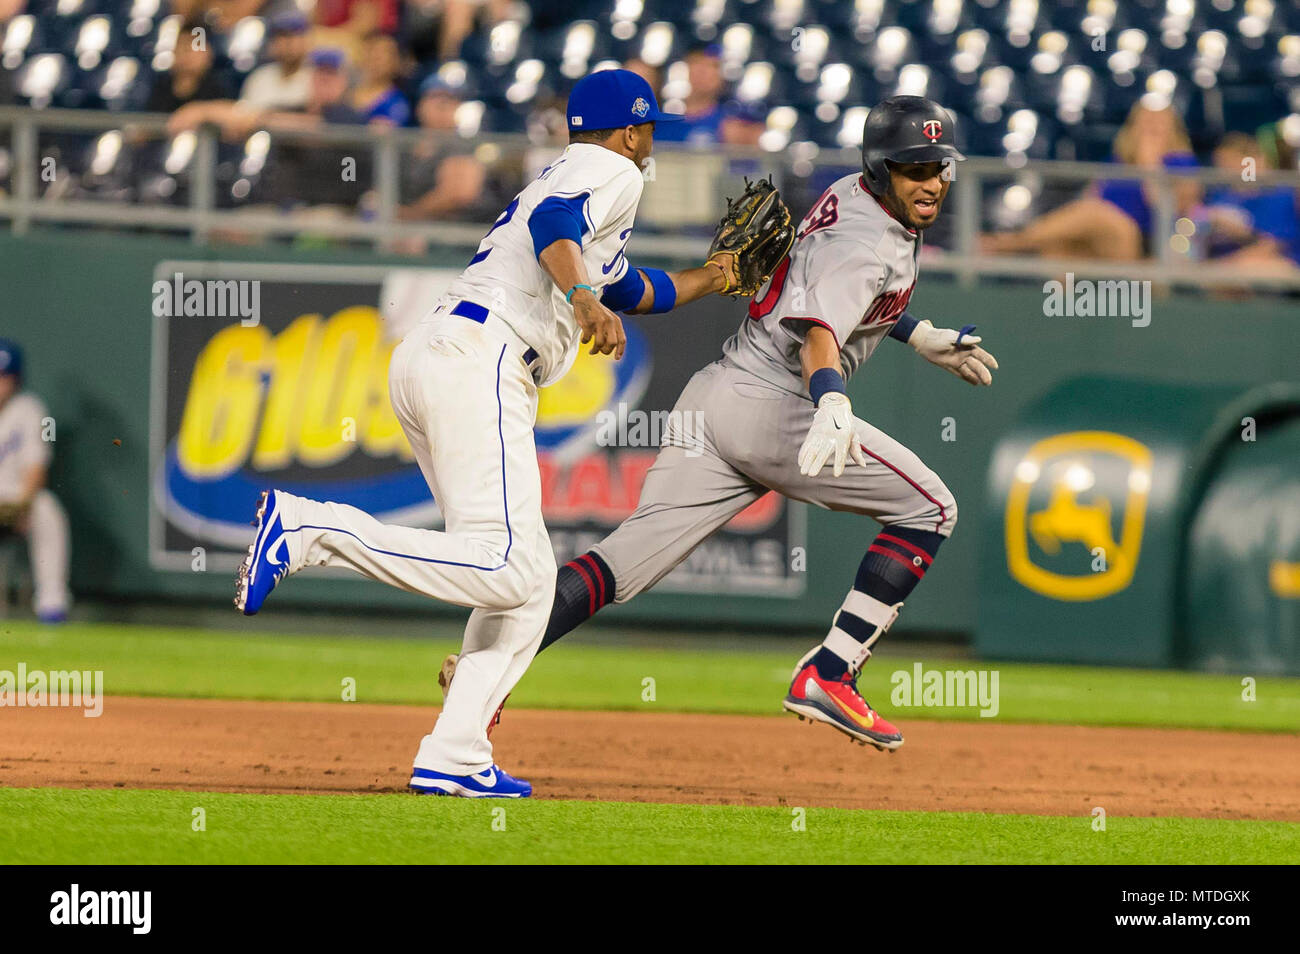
(665, 292)
(903, 328)
(624, 294)
(822, 382)
(569, 294)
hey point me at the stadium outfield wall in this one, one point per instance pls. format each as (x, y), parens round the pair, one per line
(83, 304)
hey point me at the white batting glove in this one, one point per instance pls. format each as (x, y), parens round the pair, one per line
(832, 435)
(957, 351)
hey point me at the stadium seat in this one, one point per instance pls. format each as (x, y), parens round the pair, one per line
(1025, 78)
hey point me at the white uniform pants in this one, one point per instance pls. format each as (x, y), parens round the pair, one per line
(46, 530)
(467, 403)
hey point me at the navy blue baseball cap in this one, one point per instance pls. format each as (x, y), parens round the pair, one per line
(433, 83)
(612, 99)
(11, 357)
(327, 58)
(291, 22)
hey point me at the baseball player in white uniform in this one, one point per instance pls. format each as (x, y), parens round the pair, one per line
(27, 506)
(775, 416)
(463, 383)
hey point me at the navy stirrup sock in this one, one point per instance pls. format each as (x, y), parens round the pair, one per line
(582, 587)
(894, 563)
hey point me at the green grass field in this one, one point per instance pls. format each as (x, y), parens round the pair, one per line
(144, 827)
(153, 661)
(126, 826)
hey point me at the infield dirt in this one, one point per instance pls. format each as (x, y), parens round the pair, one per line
(314, 748)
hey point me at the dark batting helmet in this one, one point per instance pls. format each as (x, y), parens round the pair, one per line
(905, 129)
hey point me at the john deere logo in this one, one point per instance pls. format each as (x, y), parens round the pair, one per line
(1075, 514)
(933, 130)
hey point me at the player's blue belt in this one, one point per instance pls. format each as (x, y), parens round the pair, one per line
(467, 309)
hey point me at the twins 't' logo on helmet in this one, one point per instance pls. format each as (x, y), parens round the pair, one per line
(640, 107)
(933, 129)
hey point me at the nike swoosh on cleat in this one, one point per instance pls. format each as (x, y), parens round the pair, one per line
(488, 778)
(865, 721)
(280, 544)
(816, 693)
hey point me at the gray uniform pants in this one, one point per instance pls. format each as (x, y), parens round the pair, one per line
(731, 438)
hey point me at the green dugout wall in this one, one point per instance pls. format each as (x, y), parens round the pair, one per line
(80, 303)
(1145, 523)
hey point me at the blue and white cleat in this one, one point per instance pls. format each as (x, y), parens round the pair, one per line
(490, 783)
(268, 560)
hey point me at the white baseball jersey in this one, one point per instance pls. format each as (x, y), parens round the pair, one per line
(852, 271)
(466, 397)
(21, 443)
(505, 277)
(267, 88)
(22, 447)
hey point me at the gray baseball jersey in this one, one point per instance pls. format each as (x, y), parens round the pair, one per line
(852, 271)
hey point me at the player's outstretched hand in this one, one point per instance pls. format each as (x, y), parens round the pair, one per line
(957, 351)
(599, 325)
(831, 437)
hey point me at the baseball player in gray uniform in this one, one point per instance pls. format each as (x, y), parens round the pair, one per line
(27, 506)
(775, 416)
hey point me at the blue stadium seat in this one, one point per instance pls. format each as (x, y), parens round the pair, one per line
(988, 60)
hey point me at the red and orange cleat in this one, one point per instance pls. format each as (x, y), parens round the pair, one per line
(838, 703)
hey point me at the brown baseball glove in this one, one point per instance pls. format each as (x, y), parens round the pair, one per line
(756, 233)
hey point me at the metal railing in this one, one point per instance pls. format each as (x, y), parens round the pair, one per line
(201, 217)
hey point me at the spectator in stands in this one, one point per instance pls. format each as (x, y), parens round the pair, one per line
(433, 30)
(283, 85)
(651, 74)
(1115, 219)
(191, 78)
(443, 179)
(345, 24)
(10, 9)
(1253, 227)
(327, 101)
(376, 96)
(361, 17)
(301, 171)
(742, 123)
(285, 82)
(27, 507)
(703, 119)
